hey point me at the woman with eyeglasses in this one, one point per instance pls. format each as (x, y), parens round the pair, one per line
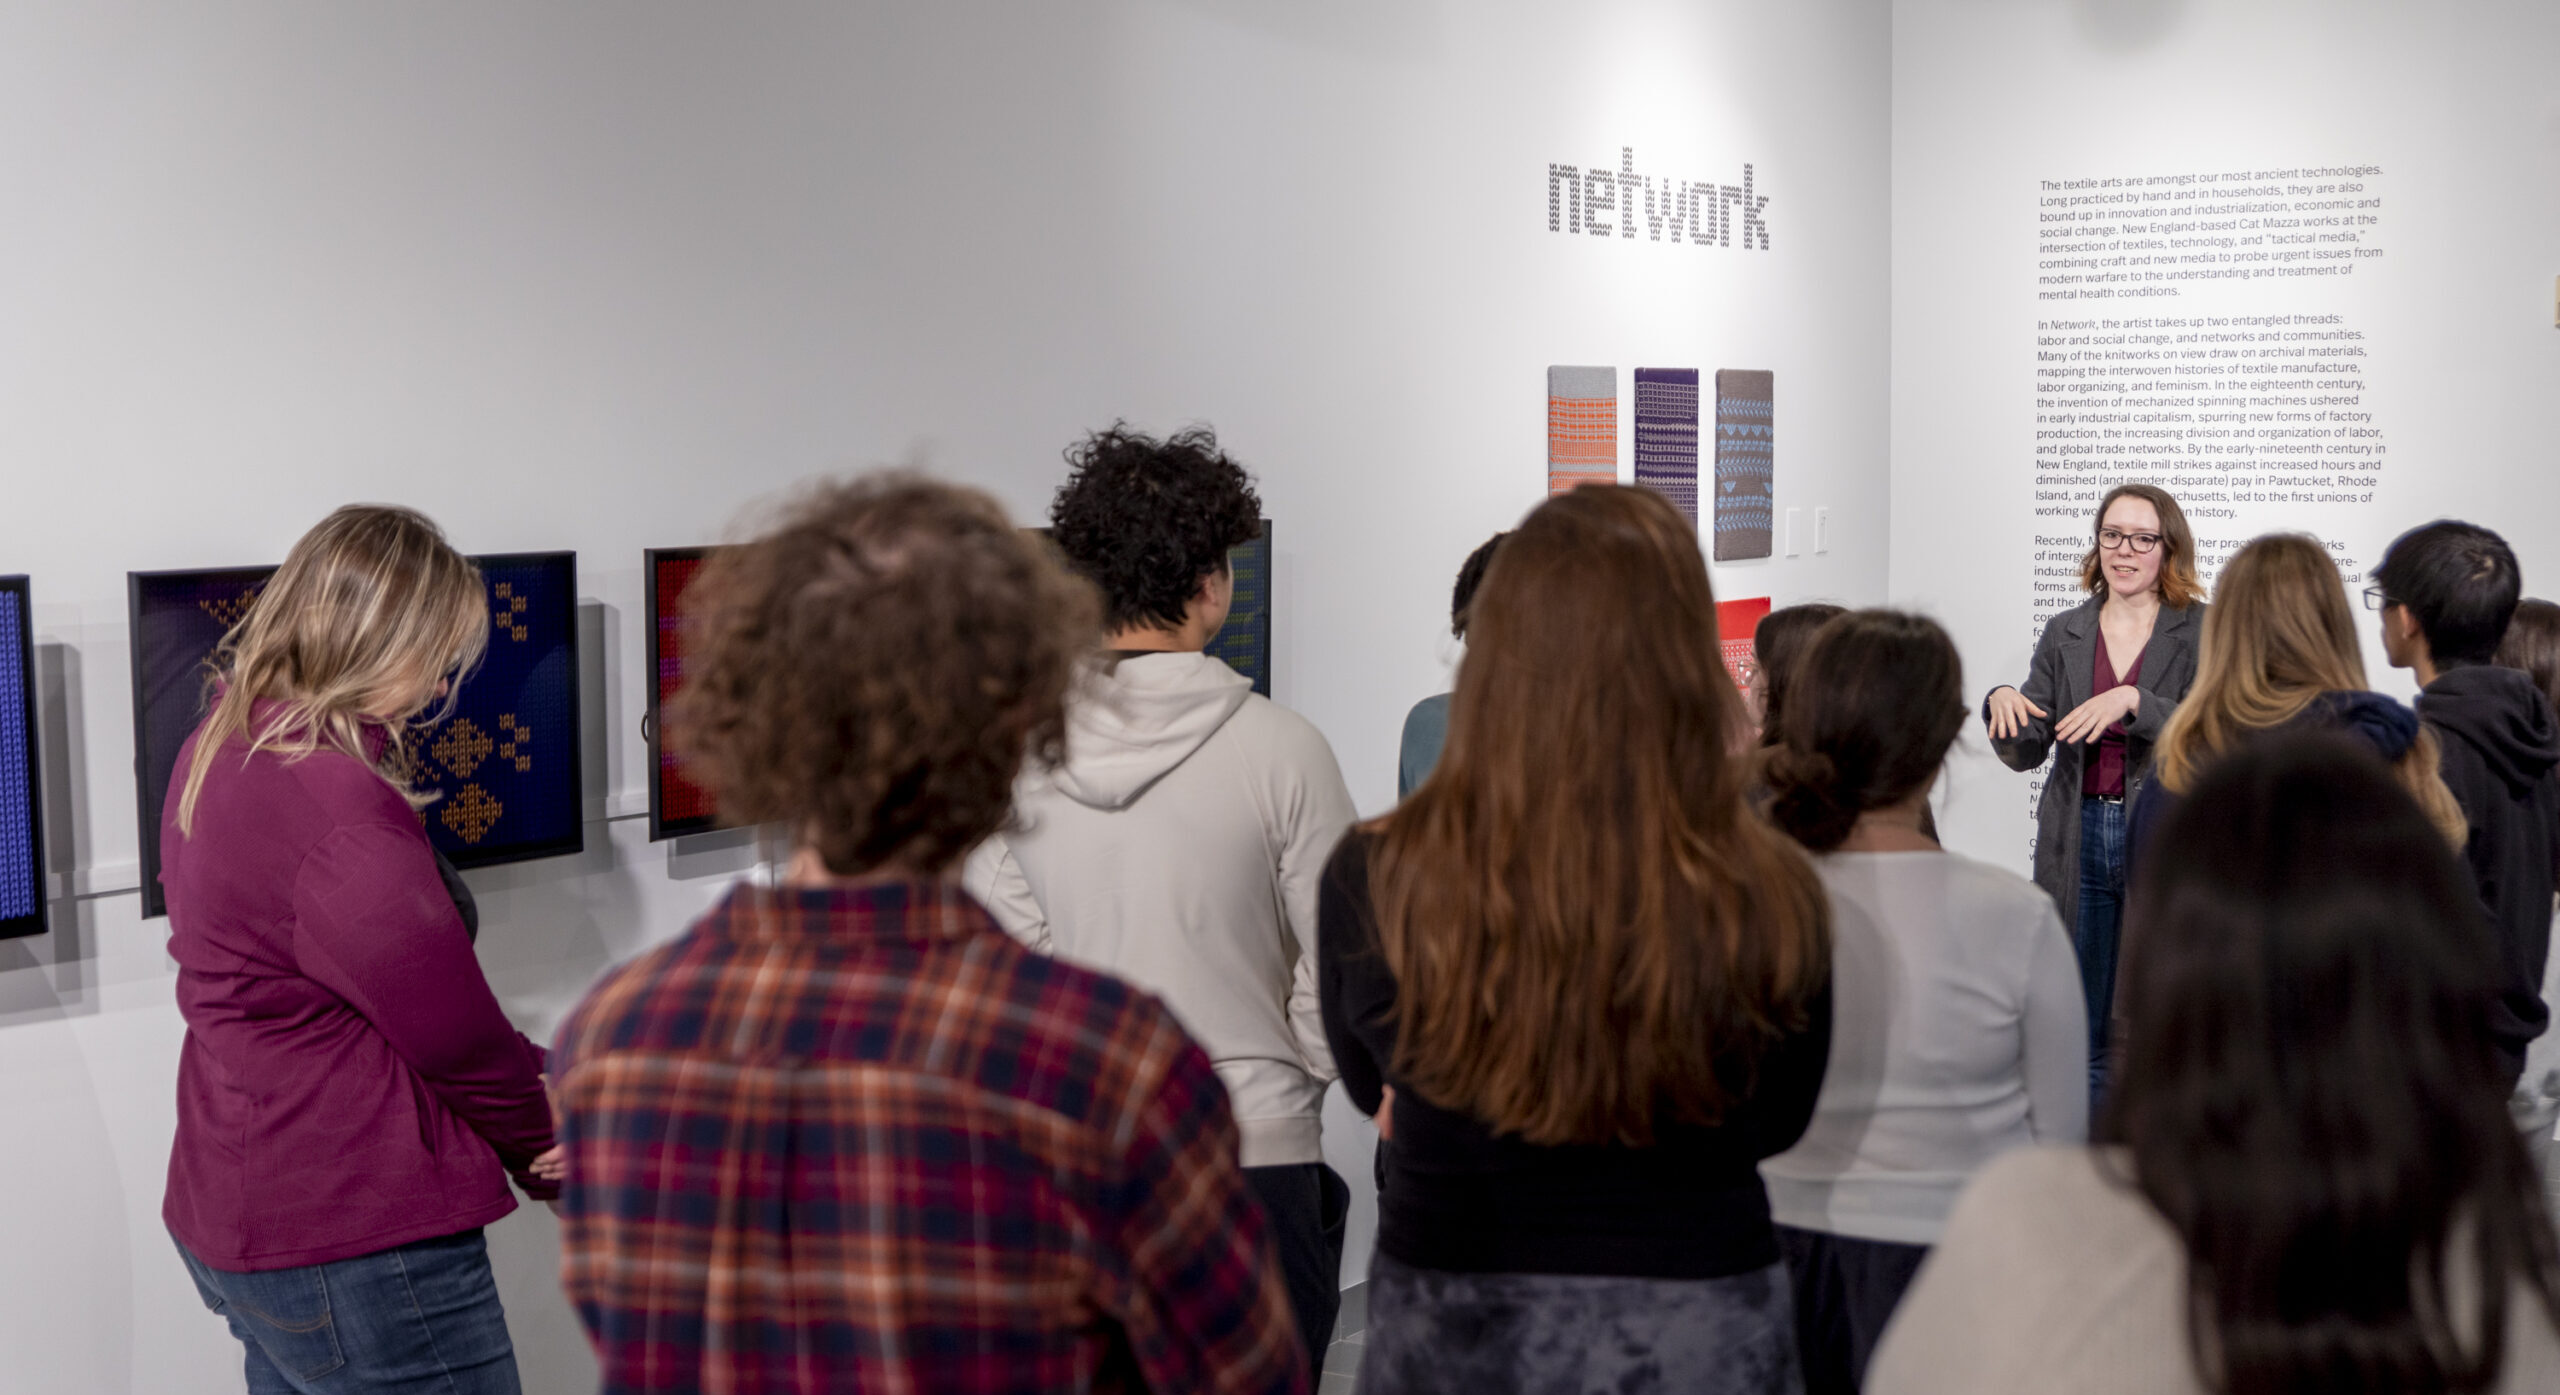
(2106, 677)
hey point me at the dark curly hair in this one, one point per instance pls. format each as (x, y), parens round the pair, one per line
(870, 672)
(1146, 519)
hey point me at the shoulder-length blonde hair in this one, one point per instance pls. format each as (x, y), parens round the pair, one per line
(2278, 635)
(2179, 587)
(1589, 929)
(369, 610)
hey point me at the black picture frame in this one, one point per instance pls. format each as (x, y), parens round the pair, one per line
(1244, 642)
(655, 563)
(24, 896)
(169, 675)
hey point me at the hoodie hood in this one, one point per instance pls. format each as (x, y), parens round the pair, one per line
(1133, 721)
(2385, 725)
(2502, 715)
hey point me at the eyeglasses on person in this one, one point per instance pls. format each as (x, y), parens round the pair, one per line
(2109, 539)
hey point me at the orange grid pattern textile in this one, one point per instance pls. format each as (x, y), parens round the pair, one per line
(1582, 427)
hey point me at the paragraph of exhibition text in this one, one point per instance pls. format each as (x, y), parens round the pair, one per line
(2155, 236)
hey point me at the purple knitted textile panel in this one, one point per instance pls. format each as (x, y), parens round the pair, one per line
(1667, 435)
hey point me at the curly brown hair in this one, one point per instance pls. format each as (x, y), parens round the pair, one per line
(870, 672)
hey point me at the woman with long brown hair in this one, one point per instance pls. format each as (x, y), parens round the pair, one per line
(351, 1100)
(2107, 676)
(1584, 989)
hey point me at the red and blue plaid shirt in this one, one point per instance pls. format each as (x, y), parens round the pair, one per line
(857, 1139)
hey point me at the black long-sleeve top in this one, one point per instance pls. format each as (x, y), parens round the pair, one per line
(1458, 1197)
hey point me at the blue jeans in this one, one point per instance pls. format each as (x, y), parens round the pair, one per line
(2102, 826)
(423, 1317)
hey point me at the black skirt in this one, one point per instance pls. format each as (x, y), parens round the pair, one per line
(1564, 1334)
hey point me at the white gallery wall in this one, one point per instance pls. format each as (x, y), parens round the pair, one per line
(596, 276)
(2071, 164)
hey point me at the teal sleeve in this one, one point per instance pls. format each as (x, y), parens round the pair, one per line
(1426, 729)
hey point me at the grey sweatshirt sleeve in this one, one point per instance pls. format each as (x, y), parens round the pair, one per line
(993, 877)
(1313, 808)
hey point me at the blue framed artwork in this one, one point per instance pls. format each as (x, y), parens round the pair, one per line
(22, 889)
(503, 767)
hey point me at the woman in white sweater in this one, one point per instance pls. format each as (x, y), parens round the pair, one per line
(1961, 1031)
(2316, 1187)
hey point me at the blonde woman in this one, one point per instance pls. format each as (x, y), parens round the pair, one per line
(2280, 651)
(351, 1100)
(2107, 676)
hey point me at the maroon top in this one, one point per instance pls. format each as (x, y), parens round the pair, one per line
(348, 1082)
(2103, 776)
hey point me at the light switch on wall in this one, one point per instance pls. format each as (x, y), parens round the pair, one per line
(1821, 531)
(1795, 532)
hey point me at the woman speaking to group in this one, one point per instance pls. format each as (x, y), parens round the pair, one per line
(2107, 675)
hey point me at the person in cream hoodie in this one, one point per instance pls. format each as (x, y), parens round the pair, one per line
(1180, 844)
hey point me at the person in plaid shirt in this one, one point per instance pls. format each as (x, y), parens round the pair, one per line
(845, 1134)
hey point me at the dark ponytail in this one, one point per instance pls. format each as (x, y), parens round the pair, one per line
(1869, 713)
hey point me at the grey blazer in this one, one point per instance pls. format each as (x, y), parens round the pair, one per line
(2064, 670)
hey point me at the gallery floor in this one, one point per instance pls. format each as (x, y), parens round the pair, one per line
(1341, 1374)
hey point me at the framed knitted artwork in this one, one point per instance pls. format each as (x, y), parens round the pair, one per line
(22, 888)
(677, 805)
(1667, 435)
(502, 767)
(1244, 642)
(1582, 427)
(1746, 493)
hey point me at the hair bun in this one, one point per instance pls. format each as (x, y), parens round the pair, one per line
(1791, 767)
(1812, 803)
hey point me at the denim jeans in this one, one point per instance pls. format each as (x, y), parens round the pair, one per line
(422, 1317)
(2102, 827)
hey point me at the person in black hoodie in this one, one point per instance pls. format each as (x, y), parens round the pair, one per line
(2446, 592)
